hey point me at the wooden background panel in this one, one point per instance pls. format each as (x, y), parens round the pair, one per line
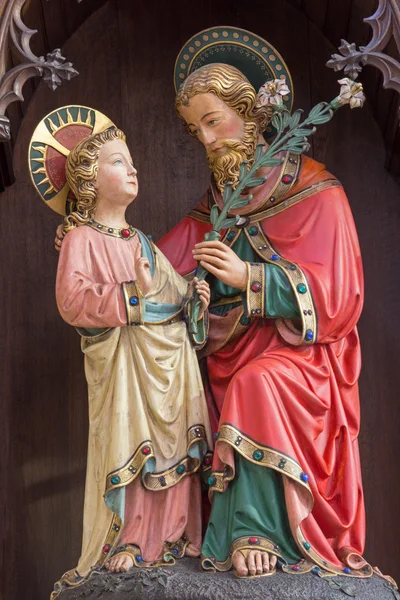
(125, 54)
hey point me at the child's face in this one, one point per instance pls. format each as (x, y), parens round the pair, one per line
(116, 176)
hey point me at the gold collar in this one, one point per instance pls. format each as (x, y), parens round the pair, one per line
(124, 233)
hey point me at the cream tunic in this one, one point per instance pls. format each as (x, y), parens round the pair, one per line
(147, 409)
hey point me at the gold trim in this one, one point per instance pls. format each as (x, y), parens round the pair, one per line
(239, 545)
(207, 462)
(309, 552)
(136, 555)
(130, 289)
(278, 207)
(292, 200)
(131, 469)
(273, 459)
(112, 231)
(298, 281)
(156, 482)
(255, 299)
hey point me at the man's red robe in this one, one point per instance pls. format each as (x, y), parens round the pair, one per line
(288, 391)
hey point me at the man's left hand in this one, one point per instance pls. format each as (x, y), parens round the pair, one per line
(222, 262)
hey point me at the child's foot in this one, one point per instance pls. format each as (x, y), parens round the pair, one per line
(119, 563)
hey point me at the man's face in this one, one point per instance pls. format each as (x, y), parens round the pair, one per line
(227, 138)
(213, 122)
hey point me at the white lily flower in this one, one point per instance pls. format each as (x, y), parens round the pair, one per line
(272, 92)
(351, 92)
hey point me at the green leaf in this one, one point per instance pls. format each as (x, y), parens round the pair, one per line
(316, 111)
(214, 213)
(256, 181)
(270, 161)
(259, 152)
(302, 131)
(322, 118)
(239, 203)
(277, 121)
(333, 584)
(227, 192)
(285, 118)
(243, 170)
(294, 121)
(228, 223)
(349, 590)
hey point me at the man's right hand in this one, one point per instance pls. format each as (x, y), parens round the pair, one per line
(59, 238)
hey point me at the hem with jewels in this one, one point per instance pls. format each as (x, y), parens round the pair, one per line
(230, 439)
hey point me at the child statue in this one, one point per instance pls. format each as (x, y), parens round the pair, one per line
(148, 422)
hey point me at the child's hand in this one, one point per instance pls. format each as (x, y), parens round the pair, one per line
(203, 290)
(142, 268)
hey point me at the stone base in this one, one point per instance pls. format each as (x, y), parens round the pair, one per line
(186, 581)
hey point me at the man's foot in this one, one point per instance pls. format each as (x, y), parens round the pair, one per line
(192, 551)
(256, 563)
(119, 563)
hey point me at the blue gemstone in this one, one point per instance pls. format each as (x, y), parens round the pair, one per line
(309, 334)
(301, 288)
(175, 551)
(347, 570)
(139, 559)
(231, 236)
(133, 300)
(316, 570)
(216, 435)
(304, 477)
(115, 480)
(292, 267)
(275, 257)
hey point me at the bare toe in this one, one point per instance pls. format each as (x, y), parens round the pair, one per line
(239, 564)
(272, 561)
(126, 563)
(266, 562)
(251, 562)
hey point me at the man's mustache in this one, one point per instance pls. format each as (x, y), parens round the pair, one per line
(229, 144)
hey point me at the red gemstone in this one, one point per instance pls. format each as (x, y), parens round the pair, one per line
(255, 286)
(207, 461)
(106, 548)
(125, 233)
(146, 450)
(253, 540)
(295, 568)
(287, 179)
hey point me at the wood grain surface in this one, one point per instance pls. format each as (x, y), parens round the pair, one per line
(125, 53)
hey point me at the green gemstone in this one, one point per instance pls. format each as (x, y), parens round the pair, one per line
(307, 545)
(253, 230)
(115, 480)
(301, 288)
(258, 455)
(244, 320)
(181, 469)
(211, 480)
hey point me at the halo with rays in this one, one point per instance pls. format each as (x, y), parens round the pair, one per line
(51, 142)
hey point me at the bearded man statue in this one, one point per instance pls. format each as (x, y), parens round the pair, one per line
(283, 359)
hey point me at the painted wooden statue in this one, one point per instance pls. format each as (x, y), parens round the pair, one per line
(283, 355)
(149, 429)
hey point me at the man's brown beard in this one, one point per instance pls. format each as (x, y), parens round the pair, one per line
(226, 167)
